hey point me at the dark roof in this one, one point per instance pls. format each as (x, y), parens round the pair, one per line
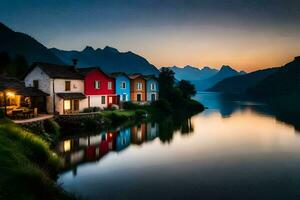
(134, 76)
(115, 74)
(58, 71)
(85, 70)
(73, 95)
(14, 85)
(147, 77)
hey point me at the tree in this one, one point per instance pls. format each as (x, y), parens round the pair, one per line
(21, 65)
(166, 82)
(187, 89)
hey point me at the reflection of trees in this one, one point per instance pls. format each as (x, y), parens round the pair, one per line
(169, 125)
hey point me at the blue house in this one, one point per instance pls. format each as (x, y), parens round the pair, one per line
(152, 88)
(123, 139)
(122, 86)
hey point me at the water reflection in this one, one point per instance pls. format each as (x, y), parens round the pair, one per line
(240, 152)
(76, 150)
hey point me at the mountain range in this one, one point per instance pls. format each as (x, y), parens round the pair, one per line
(240, 84)
(223, 73)
(16, 43)
(109, 59)
(193, 73)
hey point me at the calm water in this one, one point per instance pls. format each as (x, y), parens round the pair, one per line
(236, 149)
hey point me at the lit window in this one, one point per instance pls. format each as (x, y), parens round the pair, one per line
(67, 104)
(109, 86)
(97, 84)
(139, 86)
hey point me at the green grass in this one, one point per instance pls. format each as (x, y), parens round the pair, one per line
(26, 166)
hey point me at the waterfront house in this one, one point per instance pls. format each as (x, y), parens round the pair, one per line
(20, 101)
(98, 87)
(64, 85)
(137, 88)
(151, 88)
(122, 83)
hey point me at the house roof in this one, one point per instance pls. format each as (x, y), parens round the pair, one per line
(73, 95)
(85, 70)
(57, 71)
(115, 74)
(134, 76)
(148, 77)
(14, 85)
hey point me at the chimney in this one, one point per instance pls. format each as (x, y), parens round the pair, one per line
(74, 62)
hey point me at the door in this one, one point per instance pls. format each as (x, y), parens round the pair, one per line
(153, 97)
(124, 97)
(139, 97)
(76, 105)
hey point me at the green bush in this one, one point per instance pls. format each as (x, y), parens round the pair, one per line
(130, 106)
(92, 109)
(52, 128)
(140, 114)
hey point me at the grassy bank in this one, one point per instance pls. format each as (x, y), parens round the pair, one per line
(27, 166)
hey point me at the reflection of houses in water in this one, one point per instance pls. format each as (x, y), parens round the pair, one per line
(138, 134)
(92, 148)
(123, 139)
(152, 131)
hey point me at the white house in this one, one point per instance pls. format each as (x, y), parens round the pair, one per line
(64, 84)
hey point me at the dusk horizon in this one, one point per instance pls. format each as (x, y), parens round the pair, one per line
(245, 35)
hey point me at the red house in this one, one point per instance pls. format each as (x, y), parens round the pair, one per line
(99, 87)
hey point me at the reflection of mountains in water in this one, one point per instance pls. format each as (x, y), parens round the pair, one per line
(91, 148)
(227, 104)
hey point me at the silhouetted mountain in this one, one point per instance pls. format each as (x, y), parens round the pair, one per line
(109, 59)
(239, 84)
(225, 72)
(193, 73)
(16, 43)
(286, 81)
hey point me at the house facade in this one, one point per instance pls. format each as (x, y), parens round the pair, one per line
(137, 88)
(122, 83)
(151, 88)
(99, 88)
(64, 85)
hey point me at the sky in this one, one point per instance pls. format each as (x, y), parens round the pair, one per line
(245, 34)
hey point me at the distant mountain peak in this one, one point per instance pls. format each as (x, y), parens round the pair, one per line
(226, 68)
(111, 49)
(88, 49)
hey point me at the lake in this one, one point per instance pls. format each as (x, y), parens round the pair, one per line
(236, 149)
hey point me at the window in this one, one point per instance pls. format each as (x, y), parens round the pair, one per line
(123, 85)
(97, 84)
(67, 104)
(109, 86)
(152, 86)
(67, 85)
(102, 99)
(36, 84)
(139, 86)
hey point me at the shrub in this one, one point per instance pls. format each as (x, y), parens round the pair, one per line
(140, 113)
(130, 106)
(52, 128)
(92, 109)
